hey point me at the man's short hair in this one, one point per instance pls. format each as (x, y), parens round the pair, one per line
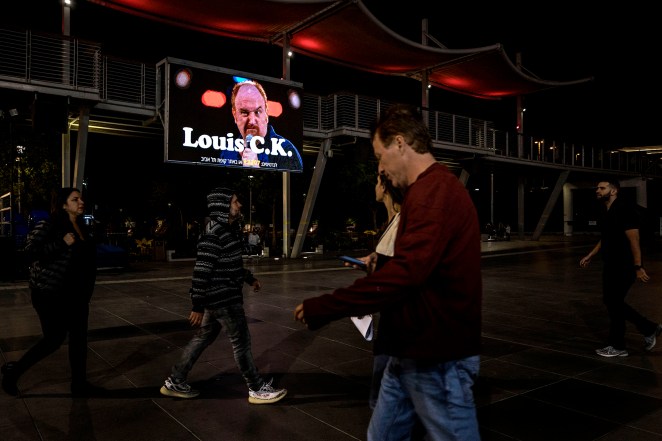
(613, 182)
(404, 120)
(257, 85)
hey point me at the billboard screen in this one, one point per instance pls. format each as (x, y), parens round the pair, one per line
(224, 118)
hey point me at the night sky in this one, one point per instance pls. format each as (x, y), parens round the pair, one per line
(558, 41)
(563, 41)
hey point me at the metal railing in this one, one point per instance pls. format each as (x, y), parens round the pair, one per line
(349, 114)
(60, 65)
(6, 220)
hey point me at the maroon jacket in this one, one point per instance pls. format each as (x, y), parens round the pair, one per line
(429, 294)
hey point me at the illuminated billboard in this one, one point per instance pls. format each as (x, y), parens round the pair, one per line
(223, 118)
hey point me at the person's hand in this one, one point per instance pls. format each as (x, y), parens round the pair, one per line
(642, 275)
(69, 239)
(256, 285)
(249, 158)
(353, 265)
(298, 314)
(585, 261)
(370, 262)
(195, 318)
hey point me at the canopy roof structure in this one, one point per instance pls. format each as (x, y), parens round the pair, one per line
(346, 33)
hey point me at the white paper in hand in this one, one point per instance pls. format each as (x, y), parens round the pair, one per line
(364, 325)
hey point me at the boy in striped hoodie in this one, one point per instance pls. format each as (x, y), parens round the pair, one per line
(218, 302)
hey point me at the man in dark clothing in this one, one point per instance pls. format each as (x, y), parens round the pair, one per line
(621, 255)
(428, 294)
(218, 302)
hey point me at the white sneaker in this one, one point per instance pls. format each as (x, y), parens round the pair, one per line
(611, 351)
(651, 340)
(266, 395)
(179, 390)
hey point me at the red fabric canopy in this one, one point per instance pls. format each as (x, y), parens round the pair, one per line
(345, 32)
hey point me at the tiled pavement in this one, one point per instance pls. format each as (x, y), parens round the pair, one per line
(540, 378)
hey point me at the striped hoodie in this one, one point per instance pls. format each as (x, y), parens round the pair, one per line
(219, 273)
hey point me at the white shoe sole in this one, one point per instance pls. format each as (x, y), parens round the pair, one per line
(624, 354)
(254, 400)
(650, 346)
(171, 393)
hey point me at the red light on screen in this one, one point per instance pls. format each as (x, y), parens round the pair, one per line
(275, 108)
(213, 98)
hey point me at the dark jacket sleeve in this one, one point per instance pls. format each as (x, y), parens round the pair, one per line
(42, 243)
(49, 255)
(416, 256)
(429, 293)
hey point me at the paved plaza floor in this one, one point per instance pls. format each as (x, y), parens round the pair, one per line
(540, 378)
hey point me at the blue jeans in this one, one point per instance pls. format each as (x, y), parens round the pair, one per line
(440, 395)
(378, 365)
(233, 319)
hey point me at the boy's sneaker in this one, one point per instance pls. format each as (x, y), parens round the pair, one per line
(611, 351)
(266, 395)
(651, 340)
(179, 390)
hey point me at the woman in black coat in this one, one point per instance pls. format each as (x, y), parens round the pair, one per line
(62, 278)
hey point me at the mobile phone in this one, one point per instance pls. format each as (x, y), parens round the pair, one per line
(352, 260)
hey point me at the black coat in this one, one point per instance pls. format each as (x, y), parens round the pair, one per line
(57, 267)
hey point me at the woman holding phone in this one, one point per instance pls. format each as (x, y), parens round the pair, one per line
(392, 198)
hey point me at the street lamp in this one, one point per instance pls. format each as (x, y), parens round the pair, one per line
(250, 203)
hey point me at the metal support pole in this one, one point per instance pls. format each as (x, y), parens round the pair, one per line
(286, 175)
(250, 204)
(81, 148)
(492, 198)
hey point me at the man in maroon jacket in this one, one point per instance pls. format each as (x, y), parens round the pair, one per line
(428, 295)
